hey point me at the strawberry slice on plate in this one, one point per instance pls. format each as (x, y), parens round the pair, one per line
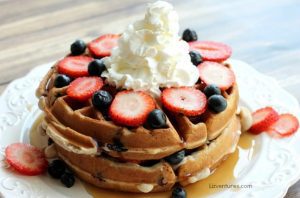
(216, 73)
(263, 119)
(74, 66)
(83, 88)
(103, 45)
(211, 51)
(131, 108)
(285, 126)
(26, 159)
(186, 100)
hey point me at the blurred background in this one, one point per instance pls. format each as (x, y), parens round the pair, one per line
(263, 33)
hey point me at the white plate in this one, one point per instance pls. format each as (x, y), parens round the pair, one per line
(274, 169)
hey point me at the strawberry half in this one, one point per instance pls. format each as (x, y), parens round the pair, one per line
(216, 73)
(211, 51)
(285, 126)
(83, 88)
(103, 45)
(131, 108)
(74, 66)
(263, 119)
(186, 100)
(26, 159)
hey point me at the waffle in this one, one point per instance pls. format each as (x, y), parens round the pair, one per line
(131, 159)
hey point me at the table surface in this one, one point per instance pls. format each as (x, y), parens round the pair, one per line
(263, 33)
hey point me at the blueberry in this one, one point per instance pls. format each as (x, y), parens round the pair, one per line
(175, 158)
(101, 99)
(62, 80)
(50, 141)
(78, 47)
(117, 146)
(211, 89)
(189, 35)
(217, 103)
(157, 119)
(178, 192)
(195, 57)
(96, 67)
(67, 179)
(56, 169)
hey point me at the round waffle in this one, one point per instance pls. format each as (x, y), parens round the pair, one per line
(132, 159)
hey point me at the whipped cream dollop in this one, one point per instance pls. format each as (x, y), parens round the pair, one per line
(150, 54)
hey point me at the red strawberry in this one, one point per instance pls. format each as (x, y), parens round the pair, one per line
(211, 51)
(286, 125)
(103, 45)
(186, 100)
(26, 159)
(74, 66)
(83, 88)
(263, 119)
(131, 108)
(216, 73)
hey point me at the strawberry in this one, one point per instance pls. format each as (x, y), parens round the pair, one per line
(131, 108)
(216, 73)
(74, 66)
(26, 159)
(83, 88)
(103, 45)
(211, 51)
(263, 119)
(286, 125)
(186, 100)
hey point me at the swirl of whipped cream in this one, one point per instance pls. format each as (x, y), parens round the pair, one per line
(151, 55)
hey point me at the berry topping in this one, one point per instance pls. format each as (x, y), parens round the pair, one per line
(186, 100)
(195, 57)
(131, 108)
(217, 103)
(178, 192)
(263, 119)
(216, 73)
(26, 159)
(103, 45)
(211, 51)
(189, 35)
(96, 67)
(67, 179)
(157, 119)
(286, 125)
(101, 99)
(56, 169)
(212, 89)
(74, 66)
(62, 80)
(83, 88)
(78, 47)
(175, 158)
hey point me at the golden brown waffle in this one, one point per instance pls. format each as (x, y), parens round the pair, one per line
(85, 139)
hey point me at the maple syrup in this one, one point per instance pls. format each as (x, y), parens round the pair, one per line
(234, 167)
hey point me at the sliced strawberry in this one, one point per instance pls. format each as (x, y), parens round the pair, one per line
(74, 66)
(263, 119)
(83, 88)
(211, 51)
(26, 159)
(131, 108)
(103, 45)
(186, 100)
(216, 73)
(286, 125)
